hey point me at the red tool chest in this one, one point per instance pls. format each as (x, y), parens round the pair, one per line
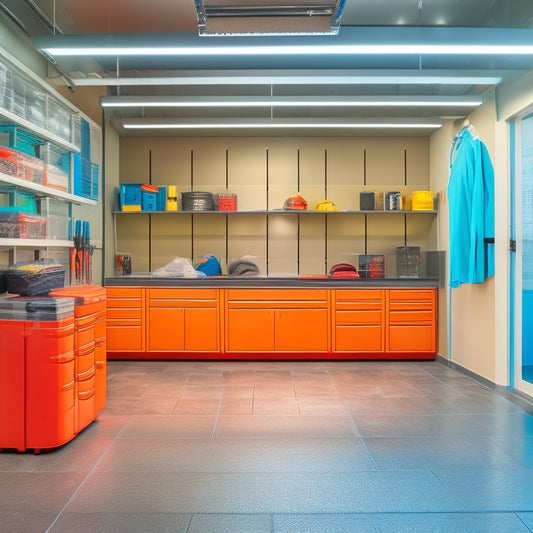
(90, 347)
(37, 373)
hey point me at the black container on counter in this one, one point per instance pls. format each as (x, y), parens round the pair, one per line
(408, 261)
(371, 266)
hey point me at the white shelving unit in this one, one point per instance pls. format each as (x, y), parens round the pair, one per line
(59, 128)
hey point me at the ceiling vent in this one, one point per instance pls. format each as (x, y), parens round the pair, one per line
(268, 17)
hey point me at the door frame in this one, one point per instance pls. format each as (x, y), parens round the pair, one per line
(515, 266)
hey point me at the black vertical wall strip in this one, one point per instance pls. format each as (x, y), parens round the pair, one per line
(298, 216)
(192, 169)
(102, 197)
(405, 183)
(364, 183)
(298, 171)
(405, 166)
(227, 220)
(267, 206)
(192, 216)
(366, 237)
(227, 168)
(149, 215)
(364, 167)
(325, 215)
(227, 240)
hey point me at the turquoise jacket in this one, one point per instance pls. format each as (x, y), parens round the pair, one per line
(471, 211)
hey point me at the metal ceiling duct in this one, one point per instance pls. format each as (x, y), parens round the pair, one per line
(268, 17)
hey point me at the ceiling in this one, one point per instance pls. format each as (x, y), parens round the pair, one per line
(325, 75)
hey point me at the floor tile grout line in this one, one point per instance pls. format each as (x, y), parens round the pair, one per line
(354, 426)
(91, 471)
(516, 513)
(180, 395)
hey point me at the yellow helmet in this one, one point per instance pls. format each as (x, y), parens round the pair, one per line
(325, 205)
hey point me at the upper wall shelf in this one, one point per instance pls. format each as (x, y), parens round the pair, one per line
(10, 117)
(279, 211)
(44, 190)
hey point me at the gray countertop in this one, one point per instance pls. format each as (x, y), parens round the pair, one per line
(225, 282)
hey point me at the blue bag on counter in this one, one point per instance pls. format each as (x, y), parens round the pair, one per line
(209, 265)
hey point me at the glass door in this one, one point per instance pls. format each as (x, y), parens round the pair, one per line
(522, 260)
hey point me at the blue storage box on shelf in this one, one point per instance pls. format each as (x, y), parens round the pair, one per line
(149, 201)
(15, 137)
(11, 199)
(86, 174)
(130, 197)
(162, 199)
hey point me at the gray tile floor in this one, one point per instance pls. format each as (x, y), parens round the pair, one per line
(282, 447)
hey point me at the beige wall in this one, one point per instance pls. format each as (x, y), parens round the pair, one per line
(263, 172)
(472, 334)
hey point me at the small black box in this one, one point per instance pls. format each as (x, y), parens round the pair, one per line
(366, 201)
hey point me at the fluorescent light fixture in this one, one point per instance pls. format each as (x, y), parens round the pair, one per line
(349, 41)
(164, 123)
(269, 17)
(290, 101)
(304, 77)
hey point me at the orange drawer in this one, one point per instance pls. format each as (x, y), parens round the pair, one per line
(358, 295)
(120, 292)
(359, 339)
(86, 380)
(412, 339)
(358, 306)
(124, 303)
(87, 309)
(183, 294)
(84, 330)
(410, 306)
(85, 359)
(124, 337)
(99, 325)
(411, 295)
(165, 303)
(277, 295)
(124, 314)
(407, 317)
(358, 317)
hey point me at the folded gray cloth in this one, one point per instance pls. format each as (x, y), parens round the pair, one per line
(242, 267)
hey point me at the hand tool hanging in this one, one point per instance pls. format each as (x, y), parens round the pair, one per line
(77, 257)
(87, 252)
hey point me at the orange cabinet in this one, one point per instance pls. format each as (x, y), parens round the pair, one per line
(277, 320)
(125, 325)
(183, 320)
(359, 320)
(249, 330)
(412, 321)
(301, 330)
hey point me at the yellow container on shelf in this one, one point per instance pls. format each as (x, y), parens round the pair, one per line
(422, 201)
(172, 198)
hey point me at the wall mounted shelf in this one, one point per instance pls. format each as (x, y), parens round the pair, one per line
(278, 212)
(44, 190)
